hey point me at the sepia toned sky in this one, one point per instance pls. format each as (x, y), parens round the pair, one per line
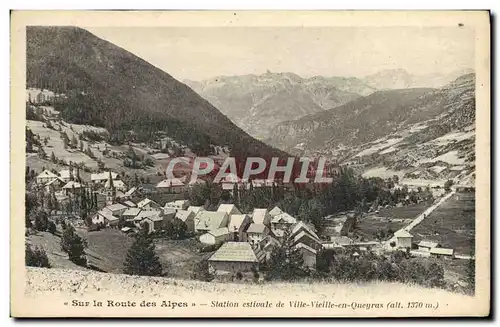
(199, 53)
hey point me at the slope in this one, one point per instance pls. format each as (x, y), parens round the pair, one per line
(108, 86)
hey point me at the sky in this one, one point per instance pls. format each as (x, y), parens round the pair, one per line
(198, 53)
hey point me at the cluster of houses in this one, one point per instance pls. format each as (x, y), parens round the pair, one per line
(246, 240)
(404, 240)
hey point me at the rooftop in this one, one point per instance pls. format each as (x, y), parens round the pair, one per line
(256, 228)
(236, 252)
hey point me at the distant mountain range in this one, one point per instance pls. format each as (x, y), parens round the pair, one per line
(368, 118)
(401, 79)
(110, 87)
(258, 103)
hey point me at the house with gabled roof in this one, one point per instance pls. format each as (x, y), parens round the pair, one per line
(281, 222)
(275, 211)
(177, 204)
(238, 225)
(426, 246)
(118, 184)
(195, 209)
(216, 236)
(206, 221)
(55, 184)
(255, 233)
(308, 254)
(261, 216)
(233, 257)
(442, 253)
(403, 239)
(102, 177)
(130, 204)
(148, 204)
(153, 223)
(45, 177)
(117, 209)
(72, 187)
(104, 217)
(230, 209)
(64, 175)
(130, 213)
(174, 185)
(187, 217)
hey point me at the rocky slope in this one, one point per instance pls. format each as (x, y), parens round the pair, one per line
(256, 103)
(416, 133)
(110, 87)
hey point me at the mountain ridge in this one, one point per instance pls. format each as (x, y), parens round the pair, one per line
(109, 86)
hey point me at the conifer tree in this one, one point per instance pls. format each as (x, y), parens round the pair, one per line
(286, 262)
(141, 257)
(73, 245)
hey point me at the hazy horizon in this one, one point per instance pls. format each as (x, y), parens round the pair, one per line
(194, 53)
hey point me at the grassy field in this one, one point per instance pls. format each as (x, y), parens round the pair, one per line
(452, 224)
(108, 248)
(390, 218)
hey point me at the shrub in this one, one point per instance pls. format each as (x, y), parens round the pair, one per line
(201, 271)
(36, 257)
(73, 245)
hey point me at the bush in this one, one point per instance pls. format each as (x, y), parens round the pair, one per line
(211, 247)
(201, 271)
(36, 257)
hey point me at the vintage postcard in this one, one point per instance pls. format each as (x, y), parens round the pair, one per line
(250, 164)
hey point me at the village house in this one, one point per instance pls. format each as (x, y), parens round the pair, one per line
(442, 253)
(119, 185)
(229, 181)
(261, 216)
(148, 204)
(178, 204)
(216, 236)
(129, 194)
(153, 223)
(195, 209)
(104, 217)
(130, 204)
(255, 233)
(100, 178)
(45, 176)
(237, 225)
(426, 246)
(233, 257)
(65, 175)
(116, 209)
(206, 221)
(130, 213)
(54, 185)
(143, 214)
(72, 187)
(308, 255)
(281, 222)
(403, 239)
(275, 211)
(268, 244)
(187, 217)
(230, 209)
(171, 186)
(302, 233)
